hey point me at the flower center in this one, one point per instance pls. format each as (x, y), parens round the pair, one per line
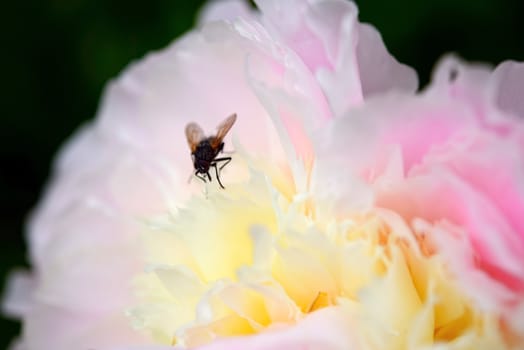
(253, 257)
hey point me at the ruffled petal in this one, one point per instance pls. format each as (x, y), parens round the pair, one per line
(326, 329)
(349, 60)
(380, 72)
(224, 10)
(509, 77)
(17, 296)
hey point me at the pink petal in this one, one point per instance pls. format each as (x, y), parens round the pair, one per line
(364, 141)
(226, 10)
(326, 329)
(509, 76)
(349, 59)
(17, 344)
(287, 19)
(50, 327)
(324, 36)
(17, 295)
(490, 165)
(379, 71)
(483, 90)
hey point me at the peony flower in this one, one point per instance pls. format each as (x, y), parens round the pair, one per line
(356, 214)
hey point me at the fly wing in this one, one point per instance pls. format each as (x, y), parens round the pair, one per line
(223, 129)
(194, 135)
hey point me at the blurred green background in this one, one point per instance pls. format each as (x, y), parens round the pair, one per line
(58, 54)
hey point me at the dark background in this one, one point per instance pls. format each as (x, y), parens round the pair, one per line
(57, 55)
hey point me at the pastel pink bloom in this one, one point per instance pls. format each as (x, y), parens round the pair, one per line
(450, 161)
(132, 160)
(316, 93)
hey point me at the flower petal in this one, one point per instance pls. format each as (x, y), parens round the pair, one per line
(379, 71)
(348, 59)
(370, 141)
(326, 329)
(17, 296)
(510, 78)
(224, 10)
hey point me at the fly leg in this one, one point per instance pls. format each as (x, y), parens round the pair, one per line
(201, 177)
(226, 161)
(218, 177)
